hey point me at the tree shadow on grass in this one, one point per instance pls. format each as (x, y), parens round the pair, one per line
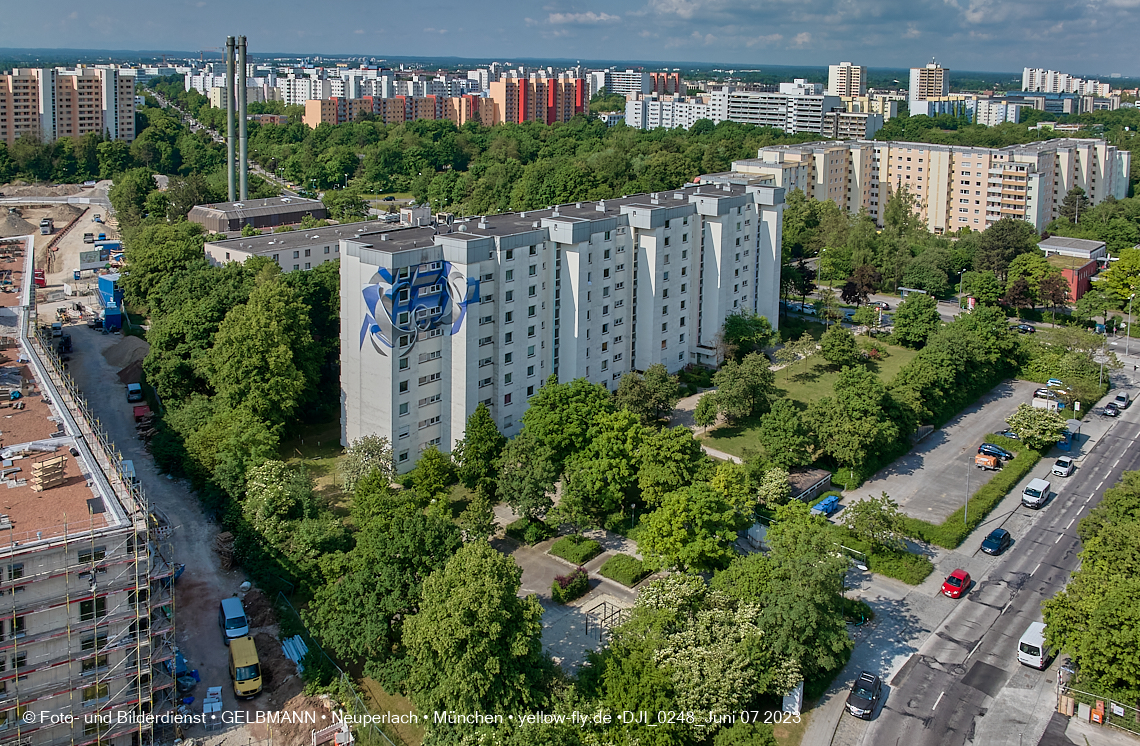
(734, 430)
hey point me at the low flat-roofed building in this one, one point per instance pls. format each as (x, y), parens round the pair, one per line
(298, 249)
(1081, 248)
(1077, 271)
(260, 213)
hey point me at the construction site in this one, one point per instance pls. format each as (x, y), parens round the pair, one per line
(86, 569)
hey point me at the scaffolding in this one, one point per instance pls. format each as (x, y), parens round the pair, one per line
(117, 652)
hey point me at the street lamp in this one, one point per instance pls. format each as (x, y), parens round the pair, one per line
(966, 509)
(1128, 330)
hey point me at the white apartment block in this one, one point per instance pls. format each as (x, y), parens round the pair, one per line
(955, 186)
(846, 79)
(650, 111)
(881, 104)
(436, 323)
(203, 82)
(621, 82)
(786, 111)
(1039, 80)
(992, 112)
(296, 91)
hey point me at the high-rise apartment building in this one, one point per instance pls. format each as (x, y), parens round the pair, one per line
(622, 82)
(846, 79)
(651, 111)
(929, 82)
(1038, 80)
(668, 83)
(85, 571)
(50, 103)
(954, 186)
(788, 111)
(435, 323)
(538, 99)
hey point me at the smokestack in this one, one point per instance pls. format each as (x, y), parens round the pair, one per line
(243, 161)
(230, 116)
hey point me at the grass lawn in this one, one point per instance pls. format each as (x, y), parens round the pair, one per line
(380, 702)
(318, 450)
(803, 382)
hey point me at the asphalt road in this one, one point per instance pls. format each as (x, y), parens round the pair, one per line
(969, 667)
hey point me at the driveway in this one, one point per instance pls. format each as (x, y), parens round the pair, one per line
(929, 482)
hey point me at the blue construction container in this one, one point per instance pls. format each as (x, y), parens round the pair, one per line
(110, 294)
(112, 318)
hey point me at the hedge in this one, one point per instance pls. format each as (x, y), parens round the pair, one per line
(566, 588)
(908, 567)
(576, 548)
(526, 531)
(628, 571)
(954, 530)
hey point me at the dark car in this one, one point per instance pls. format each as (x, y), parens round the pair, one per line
(991, 450)
(865, 695)
(389, 198)
(1026, 328)
(1008, 434)
(997, 542)
(880, 304)
(1111, 410)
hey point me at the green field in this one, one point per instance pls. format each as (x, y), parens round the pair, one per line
(803, 382)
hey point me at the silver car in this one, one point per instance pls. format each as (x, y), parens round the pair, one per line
(1063, 466)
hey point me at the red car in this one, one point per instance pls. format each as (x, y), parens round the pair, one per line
(955, 585)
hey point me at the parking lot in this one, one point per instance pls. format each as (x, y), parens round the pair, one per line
(929, 482)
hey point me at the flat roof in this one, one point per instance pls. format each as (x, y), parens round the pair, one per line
(1081, 244)
(301, 237)
(265, 206)
(1068, 262)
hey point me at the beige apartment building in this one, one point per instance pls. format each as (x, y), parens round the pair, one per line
(954, 187)
(846, 79)
(50, 103)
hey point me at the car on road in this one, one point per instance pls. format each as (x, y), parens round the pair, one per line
(1054, 382)
(849, 313)
(997, 542)
(1025, 328)
(389, 198)
(865, 695)
(880, 304)
(1063, 466)
(956, 584)
(1121, 401)
(996, 451)
(1007, 434)
(807, 309)
(1111, 410)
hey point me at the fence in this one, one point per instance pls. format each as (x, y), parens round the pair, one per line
(346, 690)
(1098, 709)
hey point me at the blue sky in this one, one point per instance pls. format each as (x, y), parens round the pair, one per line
(1078, 36)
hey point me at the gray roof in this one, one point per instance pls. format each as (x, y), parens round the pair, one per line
(252, 207)
(1081, 244)
(271, 242)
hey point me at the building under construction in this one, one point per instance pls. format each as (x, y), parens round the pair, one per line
(86, 574)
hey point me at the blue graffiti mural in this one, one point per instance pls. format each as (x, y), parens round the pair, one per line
(401, 308)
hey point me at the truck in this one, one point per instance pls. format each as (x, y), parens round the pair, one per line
(134, 392)
(39, 278)
(47, 226)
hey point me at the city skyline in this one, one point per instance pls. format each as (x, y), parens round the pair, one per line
(885, 34)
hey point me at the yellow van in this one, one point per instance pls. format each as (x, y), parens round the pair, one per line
(245, 668)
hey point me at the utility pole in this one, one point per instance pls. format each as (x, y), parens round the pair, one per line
(1128, 329)
(966, 514)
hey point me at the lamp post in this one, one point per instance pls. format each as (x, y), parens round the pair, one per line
(966, 510)
(961, 284)
(1128, 329)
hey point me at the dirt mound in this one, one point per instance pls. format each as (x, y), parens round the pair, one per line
(123, 353)
(132, 373)
(299, 733)
(23, 189)
(63, 214)
(258, 610)
(275, 667)
(14, 225)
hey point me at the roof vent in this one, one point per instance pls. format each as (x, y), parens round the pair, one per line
(578, 205)
(678, 195)
(383, 236)
(286, 200)
(483, 223)
(523, 215)
(462, 227)
(601, 206)
(535, 224)
(655, 201)
(239, 204)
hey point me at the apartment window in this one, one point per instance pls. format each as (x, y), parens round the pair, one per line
(92, 555)
(619, 321)
(428, 356)
(95, 693)
(508, 338)
(530, 331)
(606, 272)
(507, 379)
(404, 432)
(532, 291)
(665, 327)
(530, 312)
(94, 663)
(530, 371)
(403, 387)
(17, 627)
(488, 277)
(510, 296)
(276, 258)
(486, 341)
(308, 252)
(508, 358)
(665, 276)
(430, 399)
(432, 378)
(529, 391)
(665, 293)
(665, 310)
(95, 608)
(510, 256)
(506, 398)
(605, 292)
(533, 270)
(606, 254)
(486, 320)
(485, 382)
(619, 303)
(684, 271)
(404, 362)
(607, 235)
(489, 298)
(296, 255)
(15, 572)
(619, 268)
(326, 249)
(510, 276)
(530, 351)
(663, 344)
(533, 250)
(403, 409)
(510, 317)
(405, 340)
(666, 240)
(684, 287)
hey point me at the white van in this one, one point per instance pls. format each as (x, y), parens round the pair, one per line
(232, 619)
(1036, 493)
(1031, 648)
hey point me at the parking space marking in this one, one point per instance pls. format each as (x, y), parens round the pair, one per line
(940, 696)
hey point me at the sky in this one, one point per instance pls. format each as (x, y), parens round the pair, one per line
(1075, 36)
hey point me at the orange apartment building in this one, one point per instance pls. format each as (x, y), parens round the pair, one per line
(462, 109)
(53, 103)
(667, 83)
(537, 99)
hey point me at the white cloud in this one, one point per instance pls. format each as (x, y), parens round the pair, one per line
(802, 39)
(582, 18)
(683, 8)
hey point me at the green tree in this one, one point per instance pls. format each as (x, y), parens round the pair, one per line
(1095, 303)
(693, 529)
(1037, 428)
(275, 495)
(651, 397)
(365, 455)
(744, 389)
(916, 319)
(602, 479)
(707, 411)
(983, 287)
(876, 520)
(345, 205)
(867, 316)
(839, 347)
(559, 415)
(183, 194)
(154, 253)
(747, 578)
(805, 346)
(477, 520)
(1054, 292)
(899, 214)
(923, 275)
(1123, 277)
(129, 193)
(249, 230)
(1074, 204)
(784, 436)
(114, 158)
(1019, 294)
(478, 452)
(828, 306)
(526, 476)
(432, 479)
(1002, 242)
(774, 489)
(474, 645)
(1034, 268)
(746, 332)
(854, 425)
(670, 460)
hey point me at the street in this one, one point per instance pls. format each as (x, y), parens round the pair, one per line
(964, 684)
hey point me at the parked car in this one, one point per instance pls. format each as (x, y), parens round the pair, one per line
(997, 541)
(1122, 401)
(955, 585)
(826, 506)
(987, 463)
(1063, 466)
(1025, 328)
(97, 218)
(1008, 434)
(88, 238)
(807, 309)
(865, 695)
(389, 198)
(997, 451)
(880, 304)
(1111, 410)
(1054, 382)
(1045, 394)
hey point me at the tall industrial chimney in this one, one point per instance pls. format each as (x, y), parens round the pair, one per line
(243, 158)
(230, 115)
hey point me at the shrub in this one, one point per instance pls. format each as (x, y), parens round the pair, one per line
(526, 531)
(628, 571)
(566, 588)
(905, 566)
(954, 530)
(577, 549)
(857, 610)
